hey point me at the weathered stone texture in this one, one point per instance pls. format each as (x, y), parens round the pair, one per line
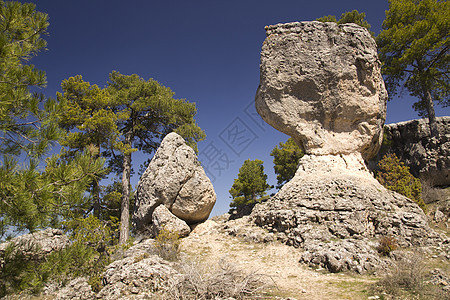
(163, 218)
(335, 199)
(139, 275)
(321, 84)
(39, 244)
(175, 179)
(427, 158)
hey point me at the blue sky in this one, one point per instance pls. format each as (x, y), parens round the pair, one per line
(206, 51)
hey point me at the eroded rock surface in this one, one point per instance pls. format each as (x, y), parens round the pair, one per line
(427, 158)
(38, 244)
(335, 210)
(321, 84)
(139, 275)
(76, 289)
(175, 179)
(163, 218)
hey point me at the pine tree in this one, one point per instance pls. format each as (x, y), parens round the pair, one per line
(250, 184)
(148, 111)
(285, 159)
(88, 118)
(414, 49)
(32, 197)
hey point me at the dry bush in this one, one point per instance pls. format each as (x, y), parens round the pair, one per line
(221, 281)
(407, 280)
(167, 244)
(386, 245)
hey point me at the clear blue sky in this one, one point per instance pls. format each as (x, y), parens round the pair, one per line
(206, 51)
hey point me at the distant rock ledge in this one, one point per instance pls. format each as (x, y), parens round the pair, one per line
(427, 158)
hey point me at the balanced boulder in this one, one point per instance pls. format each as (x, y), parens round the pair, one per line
(321, 84)
(175, 179)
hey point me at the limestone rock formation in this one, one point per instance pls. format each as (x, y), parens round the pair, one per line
(163, 218)
(321, 84)
(38, 244)
(175, 179)
(139, 275)
(335, 199)
(428, 159)
(76, 289)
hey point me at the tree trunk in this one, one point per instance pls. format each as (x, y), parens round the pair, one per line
(96, 200)
(125, 205)
(431, 115)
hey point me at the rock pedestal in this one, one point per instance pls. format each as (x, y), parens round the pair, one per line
(321, 84)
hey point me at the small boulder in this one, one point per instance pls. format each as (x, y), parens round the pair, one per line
(76, 289)
(163, 218)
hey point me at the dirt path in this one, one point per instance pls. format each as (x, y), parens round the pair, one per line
(209, 244)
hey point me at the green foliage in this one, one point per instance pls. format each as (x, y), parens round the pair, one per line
(395, 176)
(167, 244)
(33, 199)
(93, 242)
(414, 49)
(148, 111)
(251, 183)
(22, 113)
(19, 271)
(285, 159)
(386, 245)
(111, 197)
(349, 17)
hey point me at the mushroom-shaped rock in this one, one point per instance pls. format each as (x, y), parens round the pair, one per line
(321, 84)
(175, 179)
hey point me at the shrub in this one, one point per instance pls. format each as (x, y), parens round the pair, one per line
(405, 278)
(386, 245)
(395, 176)
(167, 244)
(92, 243)
(219, 282)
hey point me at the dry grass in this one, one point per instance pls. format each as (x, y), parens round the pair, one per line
(167, 244)
(218, 282)
(408, 280)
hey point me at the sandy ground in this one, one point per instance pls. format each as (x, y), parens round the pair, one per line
(279, 262)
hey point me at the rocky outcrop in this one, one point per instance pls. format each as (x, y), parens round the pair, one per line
(38, 244)
(163, 218)
(333, 203)
(139, 275)
(175, 179)
(427, 158)
(321, 84)
(76, 289)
